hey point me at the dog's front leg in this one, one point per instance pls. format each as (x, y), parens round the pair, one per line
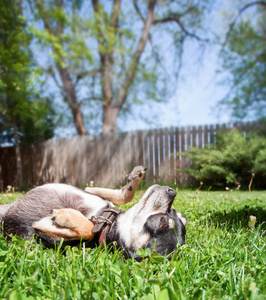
(66, 223)
(127, 192)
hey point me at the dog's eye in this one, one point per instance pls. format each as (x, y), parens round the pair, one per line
(162, 222)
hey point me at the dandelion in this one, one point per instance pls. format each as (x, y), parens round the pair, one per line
(252, 221)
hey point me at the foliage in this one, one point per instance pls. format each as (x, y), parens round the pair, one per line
(231, 161)
(109, 55)
(245, 58)
(222, 259)
(21, 108)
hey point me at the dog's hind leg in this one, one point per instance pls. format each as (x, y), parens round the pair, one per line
(127, 192)
(66, 223)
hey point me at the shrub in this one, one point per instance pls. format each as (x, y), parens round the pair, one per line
(231, 161)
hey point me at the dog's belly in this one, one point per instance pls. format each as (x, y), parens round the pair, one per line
(72, 197)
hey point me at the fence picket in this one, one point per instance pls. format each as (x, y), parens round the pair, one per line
(172, 155)
(107, 159)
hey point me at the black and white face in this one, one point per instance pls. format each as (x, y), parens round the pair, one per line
(153, 223)
(167, 231)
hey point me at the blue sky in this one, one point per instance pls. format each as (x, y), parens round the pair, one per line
(195, 102)
(198, 89)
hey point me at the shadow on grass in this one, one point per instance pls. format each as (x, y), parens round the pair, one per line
(239, 218)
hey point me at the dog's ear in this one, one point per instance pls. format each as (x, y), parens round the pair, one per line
(172, 213)
(182, 218)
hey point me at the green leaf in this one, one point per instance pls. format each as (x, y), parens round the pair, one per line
(143, 252)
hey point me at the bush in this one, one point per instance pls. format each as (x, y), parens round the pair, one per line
(231, 161)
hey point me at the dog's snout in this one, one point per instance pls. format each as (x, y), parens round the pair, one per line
(171, 192)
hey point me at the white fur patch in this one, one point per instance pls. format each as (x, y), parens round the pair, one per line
(130, 227)
(131, 223)
(93, 202)
(182, 218)
(171, 223)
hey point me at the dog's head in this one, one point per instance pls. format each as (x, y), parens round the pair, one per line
(153, 223)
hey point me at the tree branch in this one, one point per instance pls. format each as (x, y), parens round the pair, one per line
(59, 25)
(86, 73)
(90, 99)
(138, 10)
(176, 19)
(241, 10)
(47, 24)
(68, 86)
(130, 72)
(115, 14)
(105, 54)
(180, 57)
(135, 3)
(51, 72)
(100, 37)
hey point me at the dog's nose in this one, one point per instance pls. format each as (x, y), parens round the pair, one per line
(171, 192)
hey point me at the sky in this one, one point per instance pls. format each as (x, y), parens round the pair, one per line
(199, 88)
(195, 101)
(197, 92)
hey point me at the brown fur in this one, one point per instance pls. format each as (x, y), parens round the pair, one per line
(68, 223)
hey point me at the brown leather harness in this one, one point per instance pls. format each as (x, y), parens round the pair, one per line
(103, 224)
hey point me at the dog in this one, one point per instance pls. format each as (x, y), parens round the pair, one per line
(55, 211)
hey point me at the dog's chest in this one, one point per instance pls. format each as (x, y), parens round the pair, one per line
(130, 227)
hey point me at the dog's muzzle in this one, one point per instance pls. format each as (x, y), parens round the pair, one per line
(171, 193)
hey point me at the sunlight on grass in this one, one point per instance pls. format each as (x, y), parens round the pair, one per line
(223, 258)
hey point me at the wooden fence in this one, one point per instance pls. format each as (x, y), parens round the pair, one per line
(107, 159)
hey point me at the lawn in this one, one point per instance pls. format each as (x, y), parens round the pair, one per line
(223, 258)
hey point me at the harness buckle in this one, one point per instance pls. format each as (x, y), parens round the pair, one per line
(100, 219)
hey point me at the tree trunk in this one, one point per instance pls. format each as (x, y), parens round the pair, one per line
(72, 100)
(68, 85)
(110, 115)
(112, 106)
(18, 155)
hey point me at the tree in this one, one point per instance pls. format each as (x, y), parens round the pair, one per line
(24, 117)
(244, 56)
(112, 52)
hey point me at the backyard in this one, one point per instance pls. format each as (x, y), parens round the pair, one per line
(91, 89)
(224, 258)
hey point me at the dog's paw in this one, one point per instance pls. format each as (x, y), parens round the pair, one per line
(66, 217)
(137, 173)
(135, 177)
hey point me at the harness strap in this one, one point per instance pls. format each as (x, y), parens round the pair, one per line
(102, 224)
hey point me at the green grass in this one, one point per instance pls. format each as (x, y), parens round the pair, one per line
(223, 259)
